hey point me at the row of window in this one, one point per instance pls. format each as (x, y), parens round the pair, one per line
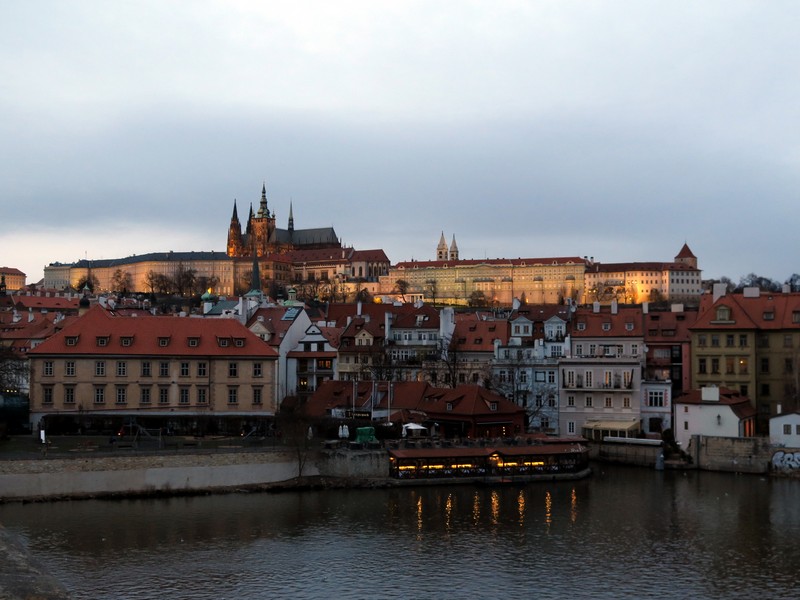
(146, 368)
(146, 396)
(611, 379)
(608, 402)
(103, 341)
(731, 364)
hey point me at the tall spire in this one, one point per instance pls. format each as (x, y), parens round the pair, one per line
(454, 249)
(235, 217)
(263, 209)
(441, 249)
(291, 217)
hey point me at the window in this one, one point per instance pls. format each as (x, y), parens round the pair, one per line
(126, 341)
(588, 378)
(144, 395)
(627, 378)
(233, 369)
(551, 377)
(184, 369)
(743, 366)
(797, 429)
(257, 395)
(634, 349)
(729, 365)
(589, 402)
(787, 341)
(223, 343)
(715, 341)
(233, 395)
(606, 326)
(163, 342)
(788, 366)
(769, 315)
(628, 326)
(69, 368)
(729, 338)
(102, 341)
(194, 342)
(122, 368)
(701, 366)
(258, 369)
(238, 342)
(47, 394)
(608, 402)
(715, 366)
(723, 313)
(765, 389)
(579, 349)
(202, 369)
(551, 401)
(122, 394)
(99, 394)
(47, 370)
(743, 389)
(765, 365)
(183, 395)
(163, 395)
(163, 369)
(570, 400)
(146, 369)
(626, 402)
(493, 406)
(72, 340)
(655, 398)
(202, 395)
(743, 340)
(581, 326)
(571, 427)
(69, 394)
(100, 368)
(701, 340)
(449, 406)
(787, 429)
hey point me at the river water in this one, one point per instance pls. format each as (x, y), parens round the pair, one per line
(623, 533)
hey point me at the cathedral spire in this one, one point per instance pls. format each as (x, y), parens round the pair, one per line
(291, 217)
(263, 209)
(235, 217)
(441, 249)
(454, 249)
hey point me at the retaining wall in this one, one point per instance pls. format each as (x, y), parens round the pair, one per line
(739, 455)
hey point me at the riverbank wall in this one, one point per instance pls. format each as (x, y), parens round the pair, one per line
(732, 455)
(185, 473)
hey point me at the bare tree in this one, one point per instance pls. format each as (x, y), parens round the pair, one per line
(13, 371)
(401, 287)
(794, 282)
(294, 425)
(121, 281)
(184, 280)
(89, 281)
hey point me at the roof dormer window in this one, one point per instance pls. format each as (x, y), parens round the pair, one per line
(581, 326)
(194, 342)
(449, 406)
(606, 326)
(723, 313)
(769, 315)
(126, 341)
(102, 340)
(238, 342)
(628, 326)
(163, 342)
(493, 406)
(72, 340)
(223, 343)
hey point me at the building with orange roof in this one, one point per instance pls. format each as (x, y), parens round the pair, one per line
(750, 342)
(635, 282)
(601, 378)
(187, 373)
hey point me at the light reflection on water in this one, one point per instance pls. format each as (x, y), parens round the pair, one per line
(622, 533)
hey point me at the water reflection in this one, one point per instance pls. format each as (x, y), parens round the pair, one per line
(631, 532)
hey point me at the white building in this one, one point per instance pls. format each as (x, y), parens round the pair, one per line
(713, 411)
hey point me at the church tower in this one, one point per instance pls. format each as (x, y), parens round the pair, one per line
(235, 242)
(441, 249)
(686, 257)
(454, 249)
(262, 225)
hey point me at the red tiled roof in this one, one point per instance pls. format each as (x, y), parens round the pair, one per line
(369, 256)
(751, 313)
(517, 262)
(740, 405)
(593, 322)
(146, 333)
(47, 302)
(685, 252)
(11, 271)
(479, 336)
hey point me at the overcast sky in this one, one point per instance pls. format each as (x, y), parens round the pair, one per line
(618, 130)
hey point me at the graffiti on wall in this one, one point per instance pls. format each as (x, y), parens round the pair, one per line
(786, 460)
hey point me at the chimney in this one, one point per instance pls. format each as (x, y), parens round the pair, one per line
(614, 306)
(709, 394)
(645, 308)
(595, 307)
(358, 309)
(387, 326)
(720, 289)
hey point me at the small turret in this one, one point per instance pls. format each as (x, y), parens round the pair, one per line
(454, 249)
(441, 249)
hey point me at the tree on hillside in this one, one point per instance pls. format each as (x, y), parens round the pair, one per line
(121, 281)
(794, 282)
(401, 287)
(89, 281)
(763, 283)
